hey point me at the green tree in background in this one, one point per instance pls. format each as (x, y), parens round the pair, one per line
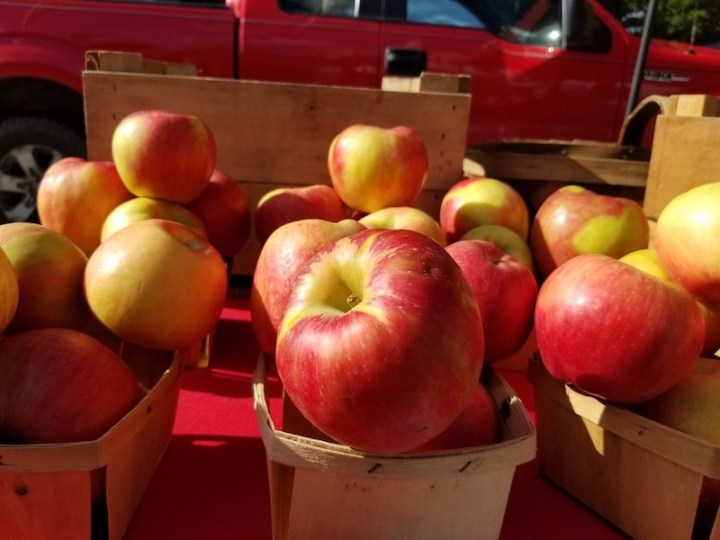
(681, 20)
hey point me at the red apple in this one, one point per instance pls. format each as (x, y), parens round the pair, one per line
(648, 261)
(616, 331)
(157, 283)
(381, 344)
(506, 239)
(283, 205)
(476, 201)
(49, 269)
(224, 208)
(405, 217)
(284, 252)
(75, 196)
(163, 154)
(686, 240)
(141, 208)
(58, 385)
(505, 290)
(373, 167)
(477, 425)
(574, 220)
(9, 292)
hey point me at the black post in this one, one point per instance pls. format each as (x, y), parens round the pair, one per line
(641, 57)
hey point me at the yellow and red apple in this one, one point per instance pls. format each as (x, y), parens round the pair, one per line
(283, 205)
(164, 154)
(157, 283)
(405, 217)
(372, 167)
(75, 196)
(142, 208)
(381, 344)
(574, 220)
(686, 240)
(506, 239)
(49, 269)
(281, 257)
(476, 201)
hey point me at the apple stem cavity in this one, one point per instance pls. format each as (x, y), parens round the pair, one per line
(353, 300)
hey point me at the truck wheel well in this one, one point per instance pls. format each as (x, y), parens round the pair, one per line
(24, 96)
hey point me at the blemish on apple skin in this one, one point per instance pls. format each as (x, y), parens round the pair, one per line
(21, 490)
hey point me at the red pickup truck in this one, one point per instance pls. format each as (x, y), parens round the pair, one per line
(545, 69)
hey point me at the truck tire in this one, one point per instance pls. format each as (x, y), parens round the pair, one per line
(28, 146)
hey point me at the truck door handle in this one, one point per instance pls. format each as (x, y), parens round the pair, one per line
(406, 62)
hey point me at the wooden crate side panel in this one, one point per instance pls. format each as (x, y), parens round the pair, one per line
(330, 506)
(684, 155)
(45, 505)
(279, 133)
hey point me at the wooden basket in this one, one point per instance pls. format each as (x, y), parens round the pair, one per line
(322, 490)
(644, 477)
(45, 489)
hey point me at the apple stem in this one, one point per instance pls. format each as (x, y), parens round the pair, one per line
(353, 300)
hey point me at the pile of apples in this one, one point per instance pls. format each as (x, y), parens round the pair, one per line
(380, 317)
(132, 250)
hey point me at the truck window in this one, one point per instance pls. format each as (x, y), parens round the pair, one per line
(442, 12)
(333, 8)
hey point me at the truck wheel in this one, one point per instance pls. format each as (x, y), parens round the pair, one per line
(28, 146)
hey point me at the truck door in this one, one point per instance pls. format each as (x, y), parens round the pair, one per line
(527, 80)
(330, 42)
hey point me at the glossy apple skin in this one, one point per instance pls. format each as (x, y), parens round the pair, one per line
(157, 283)
(506, 239)
(405, 217)
(477, 425)
(283, 205)
(224, 208)
(58, 385)
(615, 331)
(279, 261)
(574, 220)
(49, 269)
(683, 236)
(373, 167)
(163, 154)
(75, 196)
(476, 201)
(141, 208)
(648, 261)
(505, 290)
(381, 344)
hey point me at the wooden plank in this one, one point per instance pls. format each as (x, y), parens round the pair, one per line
(279, 133)
(561, 161)
(684, 155)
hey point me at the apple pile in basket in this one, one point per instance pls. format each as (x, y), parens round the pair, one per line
(379, 316)
(128, 251)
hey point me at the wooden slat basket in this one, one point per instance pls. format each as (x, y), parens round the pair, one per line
(46, 489)
(323, 490)
(646, 478)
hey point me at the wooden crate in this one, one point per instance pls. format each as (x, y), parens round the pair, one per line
(685, 150)
(322, 490)
(45, 489)
(644, 477)
(273, 135)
